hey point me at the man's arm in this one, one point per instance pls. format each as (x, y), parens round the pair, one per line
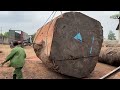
(10, 56)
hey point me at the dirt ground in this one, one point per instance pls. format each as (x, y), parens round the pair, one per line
(34, 69)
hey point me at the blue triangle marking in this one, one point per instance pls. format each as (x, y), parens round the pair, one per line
(78, 37)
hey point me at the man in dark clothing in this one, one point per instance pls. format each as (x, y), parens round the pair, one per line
(17, 60)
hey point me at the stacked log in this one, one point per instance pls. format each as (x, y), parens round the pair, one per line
(110, 43)
(110, 55)
(70, 44)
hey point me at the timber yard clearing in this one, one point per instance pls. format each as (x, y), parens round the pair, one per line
(34, 69)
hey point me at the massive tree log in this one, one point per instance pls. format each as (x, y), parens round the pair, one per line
(70, 44)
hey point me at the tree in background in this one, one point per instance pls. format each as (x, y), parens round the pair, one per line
(6, 34)
(1, 34)
(111, 36)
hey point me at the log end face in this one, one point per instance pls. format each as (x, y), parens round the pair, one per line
(76, 36)
(79, 68)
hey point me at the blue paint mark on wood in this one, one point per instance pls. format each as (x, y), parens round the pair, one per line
(92, 39)
(92, 43)
(78, 37)
(90, 50)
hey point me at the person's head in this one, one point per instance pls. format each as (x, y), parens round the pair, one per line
(15, 43)
(19, 42)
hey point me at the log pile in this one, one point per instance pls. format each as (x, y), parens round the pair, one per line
(110, 43)
(110, 55)
(70, 44)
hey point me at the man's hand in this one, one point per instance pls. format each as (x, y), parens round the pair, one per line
(1, 65)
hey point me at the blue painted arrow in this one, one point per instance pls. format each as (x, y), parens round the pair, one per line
(78, 37)
(92, 43)
(90, 50)
(92, 39)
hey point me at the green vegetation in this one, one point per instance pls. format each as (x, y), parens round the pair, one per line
(6, 34)
(111, 36)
